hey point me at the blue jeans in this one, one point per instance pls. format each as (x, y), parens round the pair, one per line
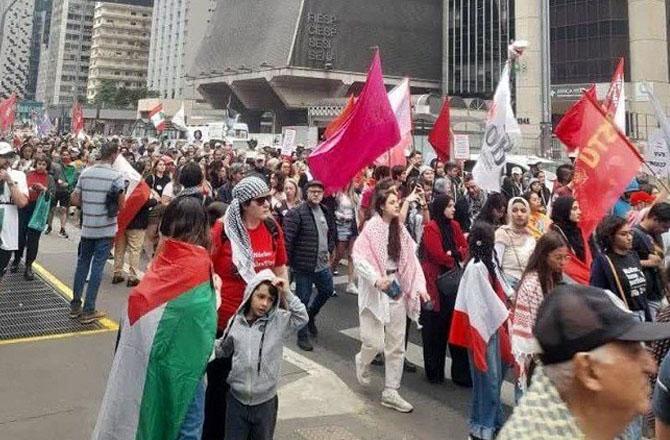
(323, 280)
(486, 417)
(93, 253)
(191, 427)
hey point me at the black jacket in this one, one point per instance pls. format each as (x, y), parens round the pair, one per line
(302, 237)
(141, 219)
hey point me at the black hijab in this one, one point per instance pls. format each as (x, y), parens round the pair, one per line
(560, 215)
(437, 208)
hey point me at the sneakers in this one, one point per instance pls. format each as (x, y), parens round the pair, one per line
(14, 268)
(132, 283)
(362, 371)
(90, 317)
(311, 326)
(391, 399)
(75, 311)
(63, 234)
(48, 231)
(116, 279)
(409, 367)
(305, 344)
(28, 274)
(352, 289)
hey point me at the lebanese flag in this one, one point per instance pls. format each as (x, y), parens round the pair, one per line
(370, 130)
(137, 193)
(157, 117)
(440, 135)
(336, 123)
(568, 128)
(479, 313)
(77, 118)
(7, 113)
(615, 101)
(401, 103)
(167, 336)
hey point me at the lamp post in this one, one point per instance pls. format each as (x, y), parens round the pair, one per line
(545, 59)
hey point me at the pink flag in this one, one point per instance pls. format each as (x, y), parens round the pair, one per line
(401, 103)
(371, 129)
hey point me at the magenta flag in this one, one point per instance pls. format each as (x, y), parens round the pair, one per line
(371, 130)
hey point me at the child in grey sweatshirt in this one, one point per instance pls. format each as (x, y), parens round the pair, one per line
(255, 339)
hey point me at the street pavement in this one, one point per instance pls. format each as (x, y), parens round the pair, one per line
(51, 389)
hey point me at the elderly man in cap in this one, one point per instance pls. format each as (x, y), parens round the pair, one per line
(13, 195)
(310, 238)
(513, 186)
(593, 378)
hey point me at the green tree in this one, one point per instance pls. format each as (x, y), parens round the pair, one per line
(106, 94)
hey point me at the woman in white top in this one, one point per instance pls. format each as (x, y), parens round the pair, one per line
(514, 242)
(391, 286)
(347, 230)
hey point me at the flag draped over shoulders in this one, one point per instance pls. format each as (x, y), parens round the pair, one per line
(166, 339)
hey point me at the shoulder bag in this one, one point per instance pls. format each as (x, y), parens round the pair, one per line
(447, 283)
(617, 281)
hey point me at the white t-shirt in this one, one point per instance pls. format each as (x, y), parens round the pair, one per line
(168, 191)
(10, 213)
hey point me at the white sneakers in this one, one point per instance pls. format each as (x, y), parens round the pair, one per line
(362, 372)
(391, 399)
(351, 289)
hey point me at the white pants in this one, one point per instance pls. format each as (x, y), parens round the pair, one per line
(390, 338)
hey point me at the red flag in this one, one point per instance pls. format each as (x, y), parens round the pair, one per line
(606, 164)
(568, 129)
(371, 129)
(137, 193)
(336, 123)
(77, 118)
(440, 135)
(7, 113)
(615, 101)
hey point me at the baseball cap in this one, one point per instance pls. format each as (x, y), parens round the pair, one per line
(574, 319)
(6, 149)
(312, 183)
(516, 170)
(641, 197)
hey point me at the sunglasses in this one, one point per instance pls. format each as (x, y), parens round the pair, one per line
(262, 200)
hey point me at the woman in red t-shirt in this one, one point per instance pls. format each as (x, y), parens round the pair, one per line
(244, 242)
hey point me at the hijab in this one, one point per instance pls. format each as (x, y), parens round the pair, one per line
(440, 203)
(560, 215)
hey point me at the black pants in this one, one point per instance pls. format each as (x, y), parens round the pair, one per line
(214, 426)
(5, 256)
(251, 422)
(29, 239)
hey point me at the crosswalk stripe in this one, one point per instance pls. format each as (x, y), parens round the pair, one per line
(414, 354)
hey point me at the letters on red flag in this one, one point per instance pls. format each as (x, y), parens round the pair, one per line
(77, 118)
(568, 129)
(440, 135)
(607, 162)
(7, 113)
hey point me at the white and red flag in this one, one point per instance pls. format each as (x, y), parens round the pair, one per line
(615, 101)
(137, 193)
(401, 103)
(157, 117)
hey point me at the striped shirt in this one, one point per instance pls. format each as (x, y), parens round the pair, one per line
(94, 184)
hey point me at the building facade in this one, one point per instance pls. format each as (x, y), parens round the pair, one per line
(166, 63)
(41, 21)
(120, 45)
(64, 58)
(16, 23)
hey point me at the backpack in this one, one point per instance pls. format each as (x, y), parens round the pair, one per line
(272, 226)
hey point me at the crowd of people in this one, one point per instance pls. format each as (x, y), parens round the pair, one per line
(482, 274)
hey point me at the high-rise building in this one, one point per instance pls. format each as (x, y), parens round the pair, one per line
(168, 37)
(120, 45)
(41, 20)
(16, 25)
(63, 71)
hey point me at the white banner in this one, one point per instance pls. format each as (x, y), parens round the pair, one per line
(657, 154)
(461, 147)
(288, 141)
(501, 134)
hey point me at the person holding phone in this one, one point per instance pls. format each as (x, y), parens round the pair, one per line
(391, 287)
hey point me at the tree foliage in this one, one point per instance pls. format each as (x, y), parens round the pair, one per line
(111, 96)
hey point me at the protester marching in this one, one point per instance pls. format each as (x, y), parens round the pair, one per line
(228, 254)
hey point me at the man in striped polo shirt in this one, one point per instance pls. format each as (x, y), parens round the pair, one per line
(99, 186)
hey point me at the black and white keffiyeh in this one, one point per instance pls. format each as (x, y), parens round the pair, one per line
(243, 257)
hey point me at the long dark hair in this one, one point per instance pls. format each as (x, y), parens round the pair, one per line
(495, 201)
(560, 216)
(185, 220)
(381, 196)
(481, 245)
(607, 229)
(537, 262)
(440, 203)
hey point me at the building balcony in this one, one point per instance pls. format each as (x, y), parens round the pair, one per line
(118, 65)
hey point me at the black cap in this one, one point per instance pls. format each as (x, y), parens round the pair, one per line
(576, 318)
(312, 183)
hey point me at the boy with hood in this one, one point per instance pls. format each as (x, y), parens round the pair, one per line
(255, 340)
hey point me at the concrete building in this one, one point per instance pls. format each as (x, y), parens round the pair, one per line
(120, 45)
(41, 22)
(16, 24)
(64, 58)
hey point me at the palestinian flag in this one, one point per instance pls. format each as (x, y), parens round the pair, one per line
(167, 337)
(157, 117)
(137, 193)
